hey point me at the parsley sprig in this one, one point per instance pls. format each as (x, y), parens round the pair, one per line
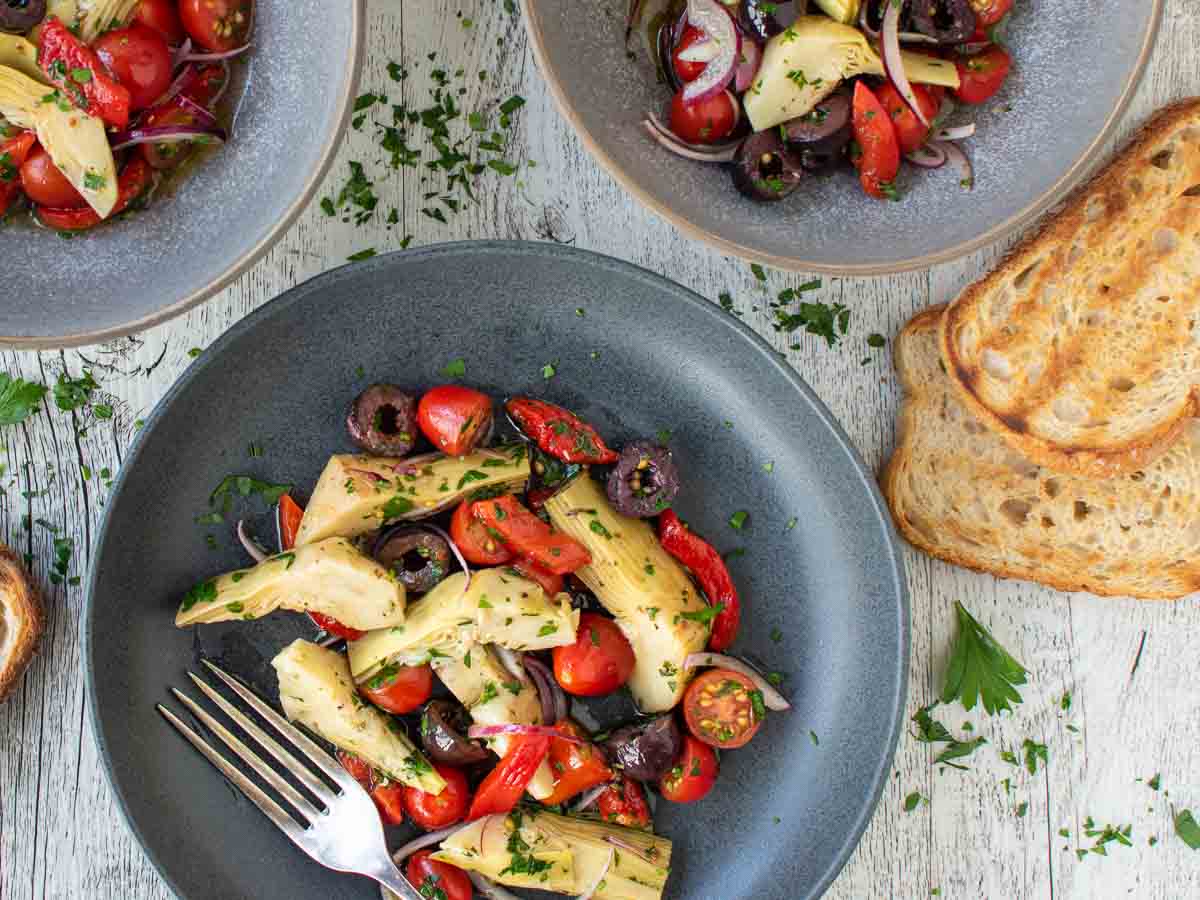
(980, 669)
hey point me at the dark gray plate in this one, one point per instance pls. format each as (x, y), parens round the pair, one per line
(645, 355)
(1036, 139)
(296, 88)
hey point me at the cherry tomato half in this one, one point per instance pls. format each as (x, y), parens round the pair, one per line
(161, 16)
(399, 689)
(434, 811)
(694, 773)
(388, 795)
(576, 767)
(437, 879)
(989, 12)
(982, 75)
(599, 661)
(473, 540)
(685, 70)
(454, 418)
(704, 121)
(909, 131)
(720, 709)
(218, 25)
(13, 152)
(139, 58)
(46, 185)
(877, 156)
(624, 803)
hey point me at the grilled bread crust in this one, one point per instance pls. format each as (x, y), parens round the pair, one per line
(1082, 348)
(961, 493)
(20, 621)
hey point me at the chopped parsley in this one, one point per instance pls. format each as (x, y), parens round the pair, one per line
(912, 801)
(456, 368)
(18, 399)
(705, 615)
(738, 519)
(598, 527)
(1034, 752)
(1187, 829)
(828, 321)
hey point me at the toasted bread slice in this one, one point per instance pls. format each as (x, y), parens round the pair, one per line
(959, 492)
(1082, 349)
(20, 620)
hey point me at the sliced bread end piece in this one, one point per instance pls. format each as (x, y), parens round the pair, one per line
(1082, 348)
(961, 493)
(20, 620)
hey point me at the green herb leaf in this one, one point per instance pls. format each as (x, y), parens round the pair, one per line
(912, 801)
(738, 519)
(18, 399)
(456, 368)
(1187, 829)
(980, 669)
(1034, 752)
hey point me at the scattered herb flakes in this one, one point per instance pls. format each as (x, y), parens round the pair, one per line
(776, 635)
(72, 393)
(1009, 757)
(366, 101)
(1064, 832)
(456, 368)
(1033, 752)
(812, 735)
(1065, 703)
(791, 523)
(361, 255)
(1156, 782)
(1187, 829)
(769, 467)
(1109, 834)
(825, 320)
(759, 274)
(664, 436)
(912, 801)
(980, 669)
(726, 301)
(18, 399)
(876, 340)
(358, 192)
(738, 519)
(1022, 808)
(929, 730)
(221, 499)
(959, 750)
(549, 371)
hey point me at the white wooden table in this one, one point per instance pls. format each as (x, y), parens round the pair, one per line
(1129, 667)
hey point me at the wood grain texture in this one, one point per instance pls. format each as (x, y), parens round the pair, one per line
(61, 835)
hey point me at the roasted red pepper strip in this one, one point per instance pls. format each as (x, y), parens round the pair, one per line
(576, 767)
(135, 179)
(706, 564)
(525, 567)
(560, 433)
(388, 795)
(504, 785)
(78, 72)
(525, 533)
(333, 626)
(12, 154)
(623, 803)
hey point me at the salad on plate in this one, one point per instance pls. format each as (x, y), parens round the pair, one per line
(101, 99)
(780, 91)
(477, 599)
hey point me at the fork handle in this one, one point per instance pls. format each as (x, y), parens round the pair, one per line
(390, 878)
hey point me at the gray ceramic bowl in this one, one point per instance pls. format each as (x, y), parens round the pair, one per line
(1035, 140)
(299, 85)
(785, 814)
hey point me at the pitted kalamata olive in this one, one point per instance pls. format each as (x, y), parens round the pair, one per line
(644, 481)
(417, 556)
(383, 420)
(820, 137)
(18, 16)
(647, 750)
(946, 21)
(765, 169)
(443, 730)
(767, 19)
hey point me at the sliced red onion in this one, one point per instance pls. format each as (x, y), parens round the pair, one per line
(168, 134)
(425, 840)
(666, 132)
(594, 886)
(714, 20)
(180, 54)
(553, 697)
(219, 95)
(329, 641)
(412, 465)
(487, 731)
(203, 116)
(215, 57)
(771, 697)
(181, 83)
(251, 546)
(681, 149)
(749, 59)
(893, 63)
(489, 888)
(631, 18)
(373, 477)
(907, 37)
(957, 133)
(955, 155)
(700, 52)
(512, 660)
(588, 798)
(927, 157)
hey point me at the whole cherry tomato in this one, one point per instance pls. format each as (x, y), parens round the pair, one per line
(139, 58)
(163, 17)
(46, 185)
(399, 689)
(599, 661)
(437, 879)
(705, 121)
(694, 773)
(434, 811)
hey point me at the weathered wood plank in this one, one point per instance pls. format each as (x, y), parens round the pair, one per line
(60, 832)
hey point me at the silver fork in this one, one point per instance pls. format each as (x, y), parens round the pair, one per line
(341, 830)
